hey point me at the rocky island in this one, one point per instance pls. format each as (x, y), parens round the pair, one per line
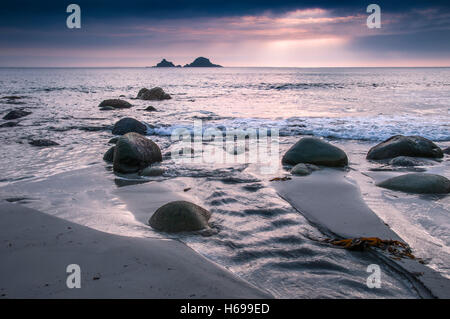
(166, 64)
(202, 62)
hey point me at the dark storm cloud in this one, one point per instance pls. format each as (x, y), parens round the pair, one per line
(38, 28)
(26, 12)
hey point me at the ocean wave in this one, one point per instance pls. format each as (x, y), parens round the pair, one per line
(376, 128)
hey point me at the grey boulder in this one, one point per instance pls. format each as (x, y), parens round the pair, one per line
(315, 151)
(418, 183)
(127, 125)
(156, 93)
(399, 145)
(180, 216)
(134, 152)
(114, 103)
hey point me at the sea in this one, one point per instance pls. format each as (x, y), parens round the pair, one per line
(260, 237)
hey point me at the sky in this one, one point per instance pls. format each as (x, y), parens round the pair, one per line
(231, 33)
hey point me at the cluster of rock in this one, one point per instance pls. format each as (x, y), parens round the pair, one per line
(154, 94)
(135, 153)
(199, 62)
(398, 150)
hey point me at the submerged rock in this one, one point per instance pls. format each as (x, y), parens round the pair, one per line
(152, 171)
(113, 140)
(405, 161)
(134, 152)
(15, 114)
(399, 145)
(127, 125)
(156, 93)
(115, 103)
(107, 108)
(313, 150)
(9, 124)
(109, 155)
(150, 109)
(180, 216)
(43, 143)
(303, 169)
(418, 183)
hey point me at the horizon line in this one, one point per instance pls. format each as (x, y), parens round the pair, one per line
(230, 67)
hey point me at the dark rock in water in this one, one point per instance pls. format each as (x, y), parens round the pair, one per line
(202, 62)
(43, 143)
(115, 103)
(315, 151)
(180, 216)
(9, 124)
(107, 108)
(109, 155)
(113, 140)
(399, 145)
(134, 152)
(15, 114)
(418, 183)
(405, 161)
(303, 169)
(165, 64)
(12, 97)
(155, 94)
(152, 171)
(150, 109)
(446, 151)
(127, 125)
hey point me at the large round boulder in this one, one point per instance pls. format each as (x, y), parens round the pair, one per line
(418, 183)
(313, 150)
(180, 216)
(115, 103)
(399, 145)
(156, 93)
(134, 152)
(127, 125)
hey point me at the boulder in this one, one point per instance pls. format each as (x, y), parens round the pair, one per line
(127, 125)
(180, 216)
(405, 161)
(115, 103)
(15, 114)
(399, 145)
(150, 109)
(418, 183)
(303, 169)
(134, 152)
(109, 155)
(315, 151)
(156, 93)
(43, 143)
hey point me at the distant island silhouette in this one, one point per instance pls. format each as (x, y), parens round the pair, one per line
(199, 62)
